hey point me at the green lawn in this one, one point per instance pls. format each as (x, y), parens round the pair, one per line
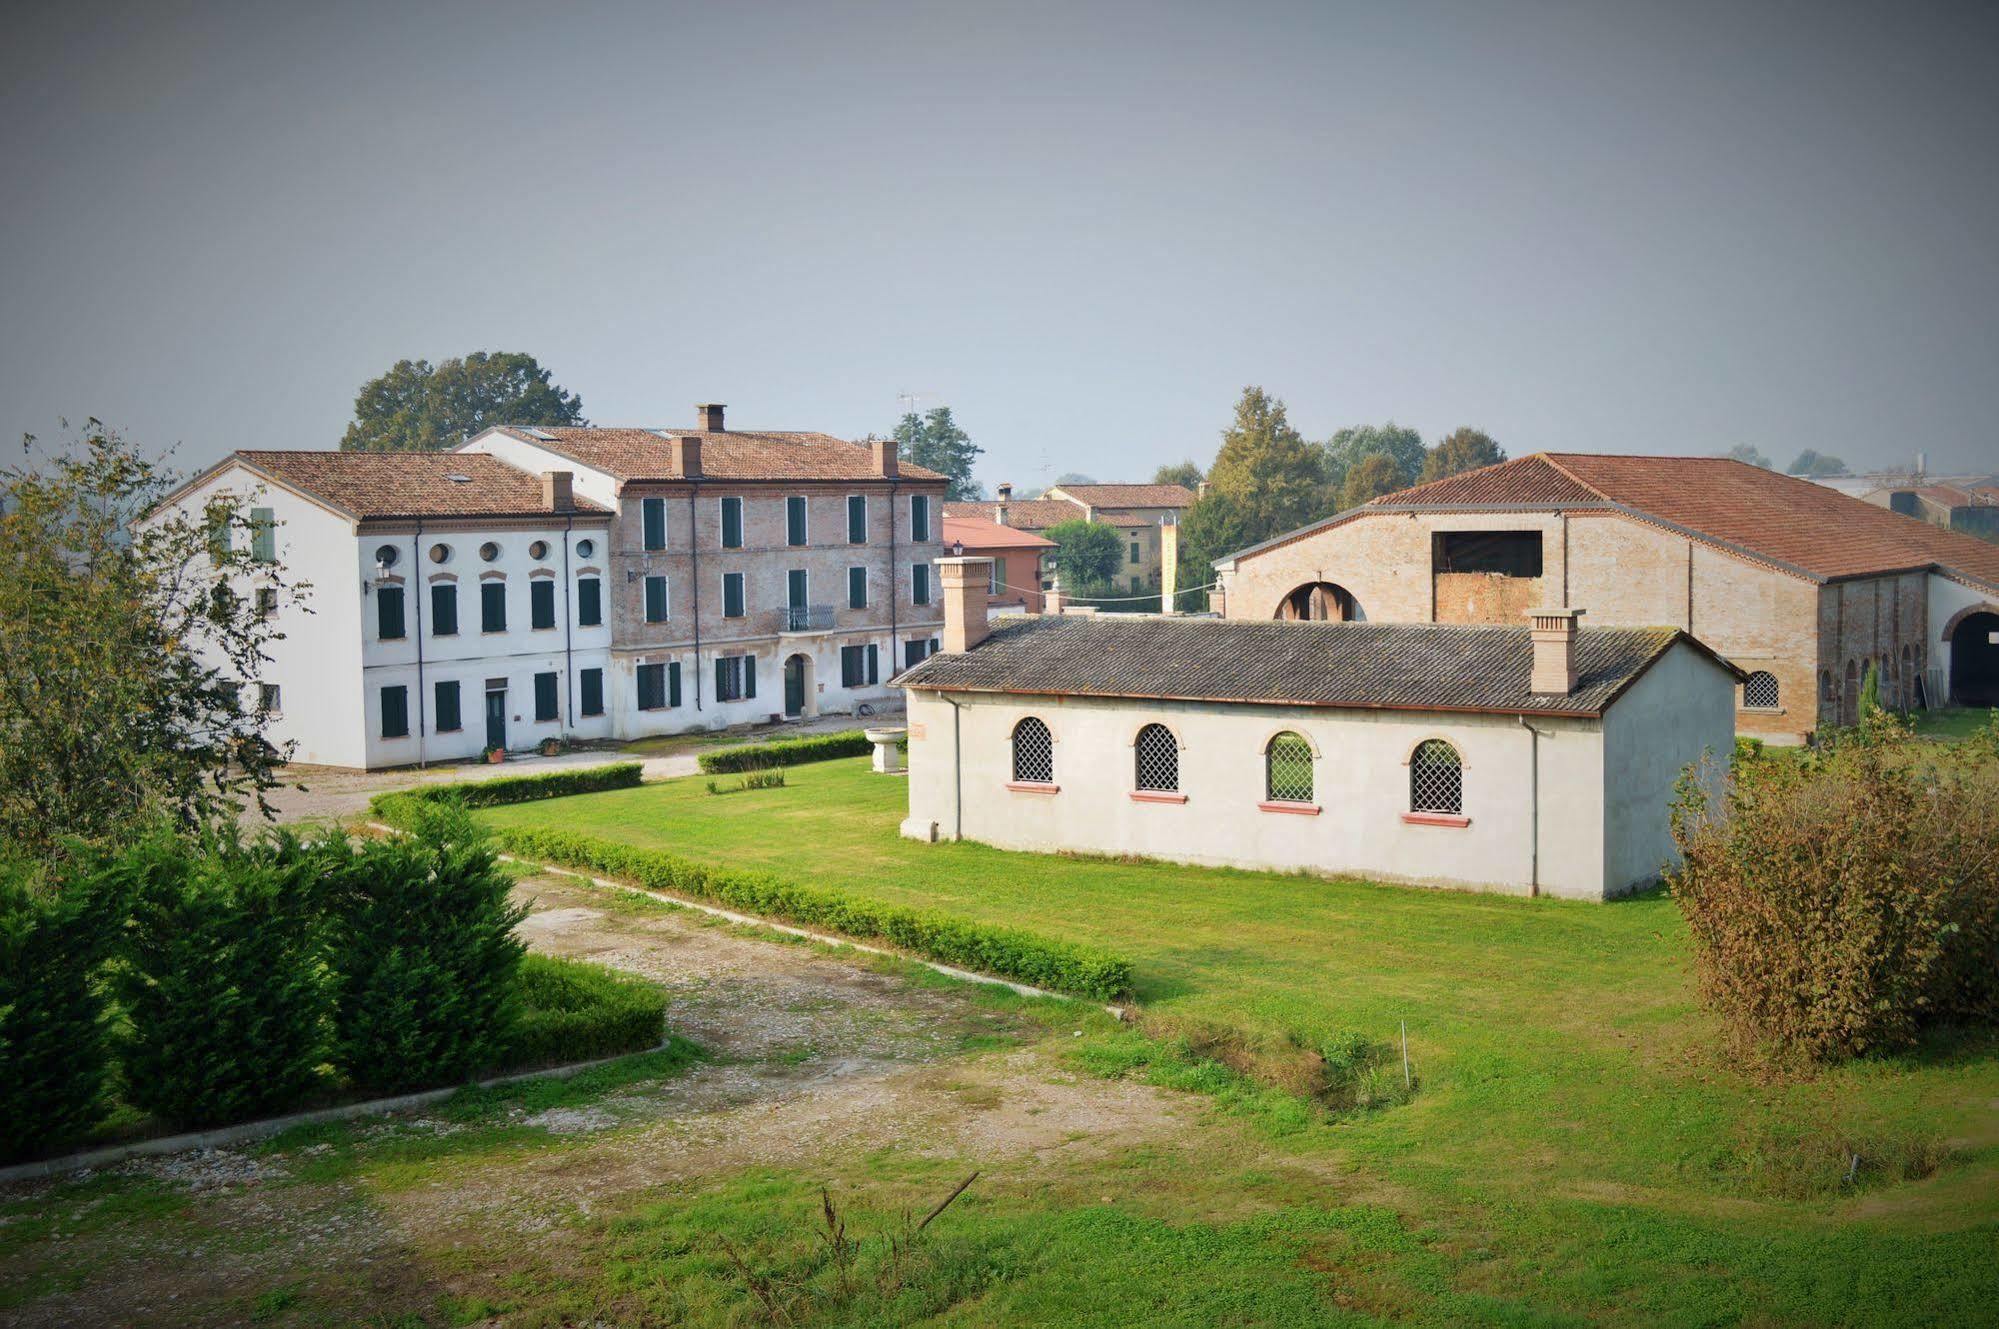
(1580, 1144)
(1951, 722)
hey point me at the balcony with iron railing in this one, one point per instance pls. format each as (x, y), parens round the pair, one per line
(808, 618)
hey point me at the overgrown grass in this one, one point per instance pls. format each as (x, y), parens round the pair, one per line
(1568, 1089)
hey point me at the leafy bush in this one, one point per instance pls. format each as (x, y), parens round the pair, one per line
(422, 956)
(1059, 965)
(1841, 902)
(787, 752)
(515, 788)
(221, 979)
(573, 1011)
(55, 1055)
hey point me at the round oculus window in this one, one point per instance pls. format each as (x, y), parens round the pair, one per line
(489, 551)
(440, 553)
(585, 548)
(538, 550)
(387, 555)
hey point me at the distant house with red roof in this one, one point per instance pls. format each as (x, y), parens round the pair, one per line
(1137, 512)
(1016, 557)
(1802, 587)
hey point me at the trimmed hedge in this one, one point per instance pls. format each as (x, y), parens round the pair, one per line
(55, 1050)
(515, 788)
(1063, 966)
(574, 1011)
(787, 752)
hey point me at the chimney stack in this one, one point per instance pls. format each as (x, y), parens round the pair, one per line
(1554, 637)
(999, 509)
(684, 451)
(883, 452)
(1169, 563)
(965, 584)
(1052, 599)
(710, 415)
(558, 491)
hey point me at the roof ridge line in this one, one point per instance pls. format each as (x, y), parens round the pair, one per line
(1549, 459)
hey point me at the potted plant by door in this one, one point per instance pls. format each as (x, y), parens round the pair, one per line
(495, 755)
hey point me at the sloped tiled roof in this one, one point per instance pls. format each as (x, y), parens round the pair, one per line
(1803, 527)
(983, 533)
(377, 485)
(1027, 514)
(735, 454)
(1382, 666)
(1131, 496)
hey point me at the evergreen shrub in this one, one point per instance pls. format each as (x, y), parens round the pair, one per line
(55, 1052)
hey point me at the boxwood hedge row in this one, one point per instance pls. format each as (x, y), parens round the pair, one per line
(1062, 966)
(520, 788)
(787, 752)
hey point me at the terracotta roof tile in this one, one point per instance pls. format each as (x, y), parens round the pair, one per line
(1131, 496)
(983, 533)
(735, 454)
(1026, 514)
(375, 485)
(1402, 666)
(1782, 518)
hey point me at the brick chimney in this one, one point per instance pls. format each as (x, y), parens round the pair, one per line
(883, 452)
(965, 581)
(1052, 599)
(1554, 636)
(1169, 563)
(558, 491)
(684, 451)
(709, 413)
(999, 508)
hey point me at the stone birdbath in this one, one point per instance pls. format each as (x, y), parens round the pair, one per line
(888, 755)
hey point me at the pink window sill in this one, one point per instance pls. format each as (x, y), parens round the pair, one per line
(1434, 819)
(1156, 796)
(1033, 787)
(1295, 809)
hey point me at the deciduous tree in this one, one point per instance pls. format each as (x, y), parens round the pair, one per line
(1086, 555)
(1459, 451)
(1749, 453)
(1371, 477)
(425, 407)
(1812, 464)
(1346, 450)
(124, 646)
(1185, 474)
(1266, 470)
(934, 439)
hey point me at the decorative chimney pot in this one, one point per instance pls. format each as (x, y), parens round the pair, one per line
(1554, 637)
(710, 415)
(965, 582)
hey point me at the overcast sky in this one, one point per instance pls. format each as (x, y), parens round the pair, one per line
(1625, 228)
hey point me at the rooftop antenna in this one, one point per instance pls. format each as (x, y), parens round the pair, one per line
(911, 400)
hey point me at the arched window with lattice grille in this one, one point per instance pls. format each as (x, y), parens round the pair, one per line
(1287, 769)
(1157, 754)
(1436, 779)
(1033, 753)
(1759, 691)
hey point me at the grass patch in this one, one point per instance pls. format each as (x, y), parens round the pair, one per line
(571, 1010)
(1569, 1091)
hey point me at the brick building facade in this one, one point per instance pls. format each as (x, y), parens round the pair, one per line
(1799, 586)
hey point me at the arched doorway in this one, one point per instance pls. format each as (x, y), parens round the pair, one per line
(1320, 601)
(1974, 660)
(797, 686)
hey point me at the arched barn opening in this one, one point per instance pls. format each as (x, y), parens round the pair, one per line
(1320, 601)
(1974, 660)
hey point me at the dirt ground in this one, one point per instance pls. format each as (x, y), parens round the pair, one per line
(812, 1055)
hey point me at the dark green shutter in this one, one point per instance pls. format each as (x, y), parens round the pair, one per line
(493, 606)
(263, 535)
(395, 712)
(749, 676)
(655, 599)
(857, 588)
(794, 521)
(389, 612)
(721, 678)
(874, 664)
(654, 510)
(732, 595)
(448, 718)
(732, 523)
(673, 684)
(541, 602)
(444, 609)
(546, 706)
(794, 588)
(592, 685)
(589, 602)
(857, 519)
(919, 517)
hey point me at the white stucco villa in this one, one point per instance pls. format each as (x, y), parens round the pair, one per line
(1534, 760)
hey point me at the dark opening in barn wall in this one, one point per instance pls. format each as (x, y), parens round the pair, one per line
(1501, 553)
(1485, 576)
(1974, 661)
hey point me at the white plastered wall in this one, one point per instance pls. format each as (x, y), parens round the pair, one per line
(1678, 711)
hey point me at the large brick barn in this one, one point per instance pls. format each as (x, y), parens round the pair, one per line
(1799, 586)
